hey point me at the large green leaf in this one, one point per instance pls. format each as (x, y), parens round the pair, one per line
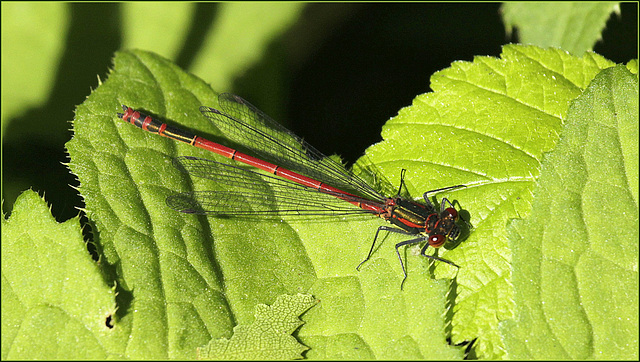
(165, 260)
(576, 256)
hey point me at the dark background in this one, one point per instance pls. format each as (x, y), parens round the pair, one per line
(334, 78)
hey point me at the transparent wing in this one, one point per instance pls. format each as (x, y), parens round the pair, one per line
(244, 124)
(258, 194)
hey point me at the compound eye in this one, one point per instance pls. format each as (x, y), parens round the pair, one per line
(437, 240)
(452, 213)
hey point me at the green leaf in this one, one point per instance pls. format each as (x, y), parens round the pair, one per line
(486, 125)
(55, 301)
(35, 32)
(572, 26)
(268, 337)
(576, 257)
(242, 33)
(165, 26)
(170, 264)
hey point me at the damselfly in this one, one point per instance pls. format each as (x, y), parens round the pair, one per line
(307, 182)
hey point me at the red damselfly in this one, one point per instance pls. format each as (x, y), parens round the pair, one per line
(308, 182)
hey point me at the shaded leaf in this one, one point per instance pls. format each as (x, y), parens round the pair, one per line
(38, 55)
(572, 26)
